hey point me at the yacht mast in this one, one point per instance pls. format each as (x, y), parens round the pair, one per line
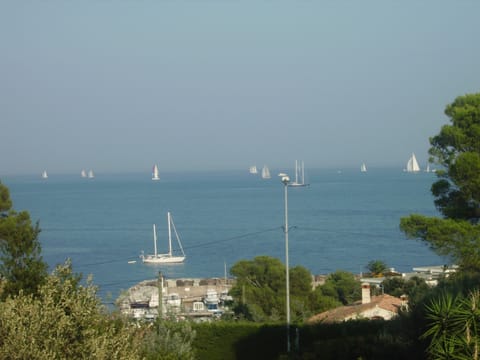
(155, 239)
(169, 235)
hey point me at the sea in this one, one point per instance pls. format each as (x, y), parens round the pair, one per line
(341, 221)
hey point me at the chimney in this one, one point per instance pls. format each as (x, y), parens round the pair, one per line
(365, 293)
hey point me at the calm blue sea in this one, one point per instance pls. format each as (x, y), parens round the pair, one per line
(341, 221)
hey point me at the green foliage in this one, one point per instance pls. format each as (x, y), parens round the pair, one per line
(63, 321)
(457, 235)
(343, 341)
(226, 340)
(321, 302)
(457, 191)
(358, 339)
(395, 286)
(453, 326)
(341, 286)
(458, 239)
(21, 264)
(300, 294)
(377, 267)
(168, 340)
(457, 149)
(261, 282)
(415, 288)
(5, 201)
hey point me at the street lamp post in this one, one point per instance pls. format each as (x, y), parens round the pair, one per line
(286, 180)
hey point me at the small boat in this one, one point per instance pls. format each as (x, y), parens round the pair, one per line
(265, 172)
(253, 169)
(91, 175)
(412, 164)
(44, 174)
(168, 258)
(299, 175)
(83, 173)
(363, 168)
(155, 175)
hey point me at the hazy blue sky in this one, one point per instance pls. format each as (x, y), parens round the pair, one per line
(119, 85)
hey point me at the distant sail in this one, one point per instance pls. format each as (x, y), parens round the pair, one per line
(363, 168)
(412, 164)
(299, 175)
(83, 173)
(44, 174)
(91, 175)
(155, 175)
(265, 173)
(253, 169)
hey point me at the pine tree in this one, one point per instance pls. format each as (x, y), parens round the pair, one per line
(21, 265)
(457, 191)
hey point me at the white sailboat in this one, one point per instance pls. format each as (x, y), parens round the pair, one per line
(253, 169)
(91, 175)
(265, 172)
(83, 173)
(155, 175)
(168, 258)
(44, 174)
(299, 175)
(363, 168)
(412, 164)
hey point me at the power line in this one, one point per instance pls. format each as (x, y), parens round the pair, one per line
(242, 236)
(232, 238)
(190, 247)
(340, 232)
(104, 262)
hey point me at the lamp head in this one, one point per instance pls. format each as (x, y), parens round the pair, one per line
(284, 178)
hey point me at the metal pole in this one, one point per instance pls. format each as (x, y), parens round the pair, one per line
(160, 295)
(287, 267)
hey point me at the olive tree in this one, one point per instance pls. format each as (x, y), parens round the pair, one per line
(65, 320)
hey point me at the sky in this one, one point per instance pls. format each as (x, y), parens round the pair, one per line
(119, 85)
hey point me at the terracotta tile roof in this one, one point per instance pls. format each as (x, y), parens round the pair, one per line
(385, 302)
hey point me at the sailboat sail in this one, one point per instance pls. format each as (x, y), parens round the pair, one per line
(83, 173)
(265, 173)
(253, 169)
(155, 175)
(167, 258)
(299, 175)
(44, 174)
(91, 175)
(412, 164)
(363, 168)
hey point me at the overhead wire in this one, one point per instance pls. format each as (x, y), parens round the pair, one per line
(224, 240)
(191, 247)
(246, 235)
(232, 238)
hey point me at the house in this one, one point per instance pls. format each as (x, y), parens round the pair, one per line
(371, 307)
(186, 298)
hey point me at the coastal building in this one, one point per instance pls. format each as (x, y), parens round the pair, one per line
(200, 299)
(370, 307)
(205, 299)
(431, 274)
